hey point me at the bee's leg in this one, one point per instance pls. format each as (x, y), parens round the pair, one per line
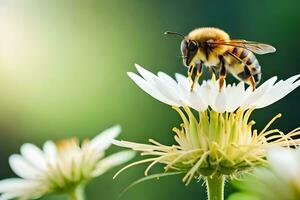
(199, 67)
(222, 72)
(251, 78)
(215, 71)
(190, 73)
(252, 82)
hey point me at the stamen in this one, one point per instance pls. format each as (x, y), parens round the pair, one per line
(133, 164)
(271, 122)
(157, 161)
(222, 143)
(188, 177)
(157, 143)
(181, 156)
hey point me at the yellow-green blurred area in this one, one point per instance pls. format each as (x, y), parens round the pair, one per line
(63, 67)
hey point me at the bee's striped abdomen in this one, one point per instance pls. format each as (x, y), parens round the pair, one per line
(250, 61)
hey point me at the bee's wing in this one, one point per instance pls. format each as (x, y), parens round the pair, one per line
(255, 47)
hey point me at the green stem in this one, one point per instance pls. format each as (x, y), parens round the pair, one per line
(77, 193)
(215, 187)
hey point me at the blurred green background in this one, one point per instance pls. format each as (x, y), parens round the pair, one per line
(63, 67)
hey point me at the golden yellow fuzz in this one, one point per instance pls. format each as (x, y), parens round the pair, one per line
(206, 33)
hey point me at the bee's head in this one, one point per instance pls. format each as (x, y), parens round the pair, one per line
(188, 48)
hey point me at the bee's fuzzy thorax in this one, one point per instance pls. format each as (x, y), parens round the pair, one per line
(210, 56)
(207, 33)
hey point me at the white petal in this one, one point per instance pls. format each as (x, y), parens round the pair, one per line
(183, 93)
(235, 96)
(147, 75)
(159, 89)
(7, 196)
(34, 155)
(22, 168)
(16, 187)
(258, 93)
(112, 161)
(169, 80)
(10, 184)
(220, 102)
(203, 92)
(182, 80)
(192, 99)
(167, 90)
(103, 140)
(171, 85)
(196, 101)
(150, 89)
(201, 104)
(50, 152)
(279, 90)
(212, 94)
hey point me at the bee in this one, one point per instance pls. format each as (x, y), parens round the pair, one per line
(213, 48)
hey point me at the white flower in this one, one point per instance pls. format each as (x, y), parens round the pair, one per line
(219, 139)
(177, 92)
(280, 181)
(60, 167)
(286, 164)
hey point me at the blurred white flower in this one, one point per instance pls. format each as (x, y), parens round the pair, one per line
(281, 181)
(177, 92)
(62, 167)
(286, 163)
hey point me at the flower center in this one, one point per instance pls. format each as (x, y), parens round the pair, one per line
(214, 144)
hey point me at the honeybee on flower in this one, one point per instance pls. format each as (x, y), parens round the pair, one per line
(220, 141)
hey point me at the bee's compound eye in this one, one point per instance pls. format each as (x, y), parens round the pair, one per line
(192, 45)
(183, 46)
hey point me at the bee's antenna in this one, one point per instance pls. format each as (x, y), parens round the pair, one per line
(174, 33)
